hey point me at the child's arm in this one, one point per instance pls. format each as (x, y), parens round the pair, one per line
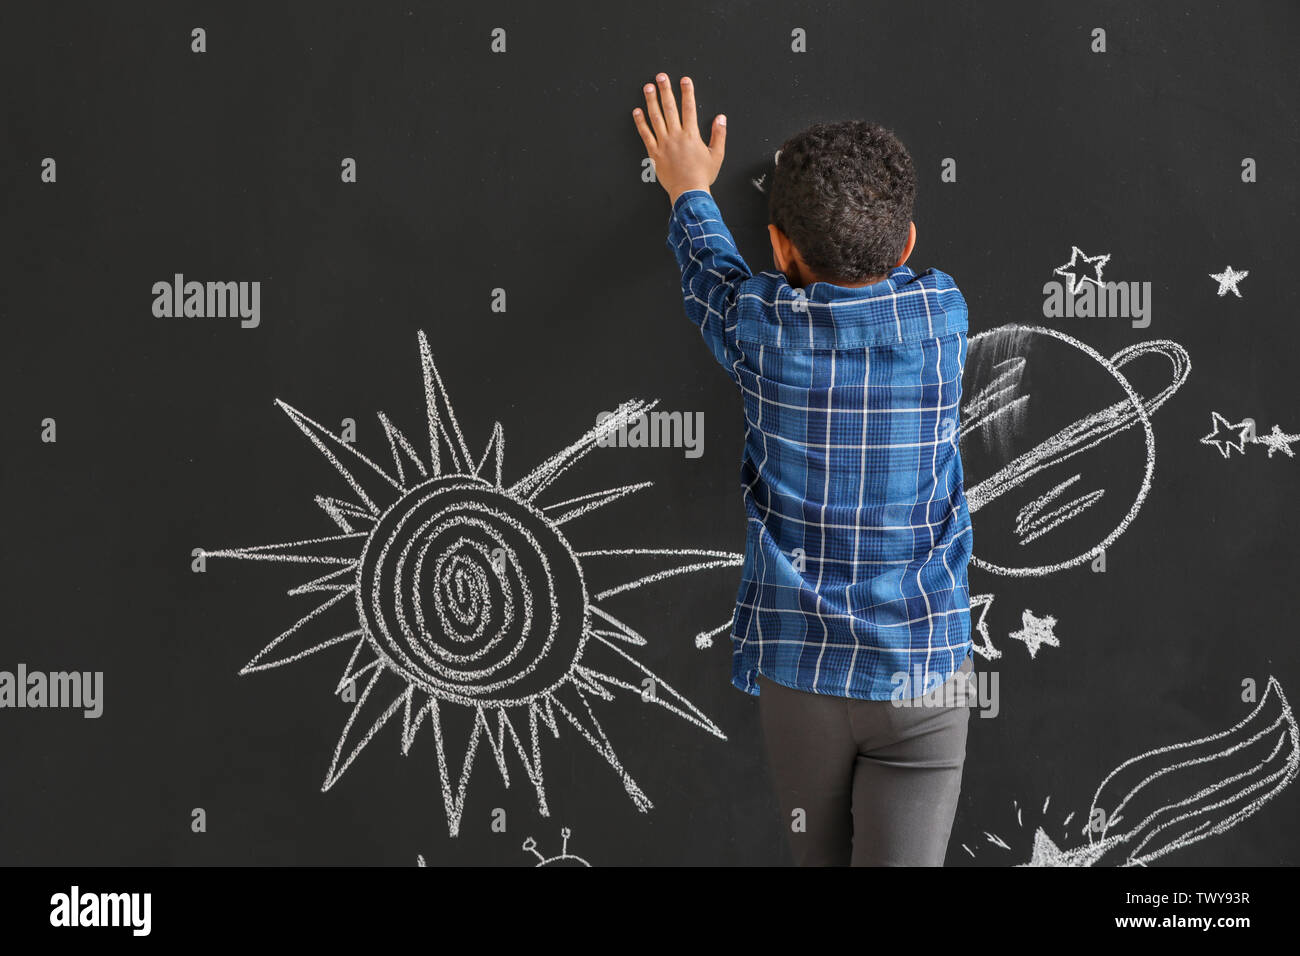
(711, 265)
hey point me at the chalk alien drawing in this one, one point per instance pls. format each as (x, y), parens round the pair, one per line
(464, 604)
(1173, 796)
(563, 858)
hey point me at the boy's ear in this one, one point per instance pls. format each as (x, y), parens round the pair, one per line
(780, 247)
(911, 243)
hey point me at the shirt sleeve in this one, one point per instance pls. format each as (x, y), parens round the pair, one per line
(712, 272)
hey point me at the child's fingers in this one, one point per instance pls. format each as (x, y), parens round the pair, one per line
(718, 136)
(689, 121)
(669, 102)
(647, 137)
(653, 112)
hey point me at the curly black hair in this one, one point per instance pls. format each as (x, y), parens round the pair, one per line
(843, 193)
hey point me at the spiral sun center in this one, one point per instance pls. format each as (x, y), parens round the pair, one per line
(472, 594)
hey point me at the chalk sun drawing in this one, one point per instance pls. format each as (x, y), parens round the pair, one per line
(1170, 797)
(464, 604)
(1000, 407)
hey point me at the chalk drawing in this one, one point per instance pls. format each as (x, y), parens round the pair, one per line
(997, 409)
(1277, 440)
(1171, 797)
(1072, 270)
(1228, 437)
(563, 858)
(1035, 631)
(984, 646)
(1228, 280)
(464, 605)
(705, 638)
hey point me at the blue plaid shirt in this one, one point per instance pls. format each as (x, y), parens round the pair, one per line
(854, 579)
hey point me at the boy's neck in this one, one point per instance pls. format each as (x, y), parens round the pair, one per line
(850, 285)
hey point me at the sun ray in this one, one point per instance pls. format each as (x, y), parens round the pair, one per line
(363, 659)
(307, 551)
(718, 559)
(494, 451)
(606, 661)
(398, 444)
(349, 672)
(340, 579)
(379, 696)
(587, 682)
(325, 441)
(584, 503)
(535, 752)
(344, 513)
(413, 717)
(571, 702)
(442, 419)
(529, 758)
(454, 803)
(298, 633)
(497, 741)
(621, 631)
(537, 480)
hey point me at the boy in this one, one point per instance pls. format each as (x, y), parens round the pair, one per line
(853, 596)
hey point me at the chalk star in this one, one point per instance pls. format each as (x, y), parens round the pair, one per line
(1066, 270)
(1277, 441)
(1225, 445)
(1035, 631)
(1228, 279)
(985, 647)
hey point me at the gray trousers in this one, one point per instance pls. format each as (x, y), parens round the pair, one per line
(877, 783)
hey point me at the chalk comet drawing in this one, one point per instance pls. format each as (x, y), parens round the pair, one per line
(997, 410)
(464, 605)
(1171, 797)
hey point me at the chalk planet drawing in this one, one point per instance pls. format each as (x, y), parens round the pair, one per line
(464, 604)
(1015, 447)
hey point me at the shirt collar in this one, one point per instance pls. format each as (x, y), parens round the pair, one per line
(898, 276)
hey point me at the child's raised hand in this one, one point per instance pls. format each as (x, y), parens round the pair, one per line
(682, 160)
